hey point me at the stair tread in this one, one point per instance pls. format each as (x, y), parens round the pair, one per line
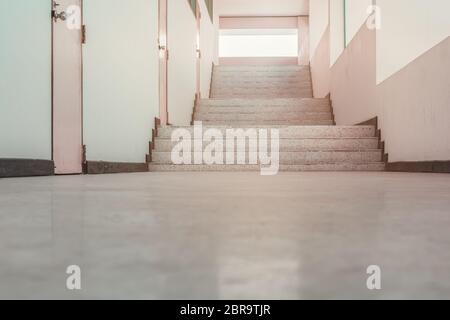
(370, 166)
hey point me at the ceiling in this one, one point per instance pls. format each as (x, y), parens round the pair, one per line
(262, 7)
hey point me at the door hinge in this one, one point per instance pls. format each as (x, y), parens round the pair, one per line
(83, 34)
(84, 151)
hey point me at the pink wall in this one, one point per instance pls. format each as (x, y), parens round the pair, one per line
(414, 108)
(250, 61)
(320, 67)
(353, 80)
(303, 41)
(258, 22)
(413, 105)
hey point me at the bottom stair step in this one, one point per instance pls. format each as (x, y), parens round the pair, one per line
(376, 166)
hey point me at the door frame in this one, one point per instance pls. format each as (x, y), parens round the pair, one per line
(163, 50)
(198, 17)
(83, 158)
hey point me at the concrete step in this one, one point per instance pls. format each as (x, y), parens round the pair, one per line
(261, 87)
(262, 116)
(261, 94)
(296, 158)
(260, 123)
(306, 102)
(259, 90)
(242, 82)
(288, 132)
(261, 68)
(377, 166)
(243, 79)
(293, 145)
(269, 75)
(261, 109)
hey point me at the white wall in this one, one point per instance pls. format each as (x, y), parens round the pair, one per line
(356, 15)
(410, 56)
(208, 46)
(408, 29)
(182, 40)
(262, 7)
(337, 29)
(318, 22)
(120, 79)
(25, 79)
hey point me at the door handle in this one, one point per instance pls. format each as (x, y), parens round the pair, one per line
(58, 15)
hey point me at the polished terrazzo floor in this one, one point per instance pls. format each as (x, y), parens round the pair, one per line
(226, 235)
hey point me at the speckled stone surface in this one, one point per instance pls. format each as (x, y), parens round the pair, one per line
(294, 132)
(167, 145)
(280, 102)
(226, 236)
(263, 97)
(261, 82)
(300, 157)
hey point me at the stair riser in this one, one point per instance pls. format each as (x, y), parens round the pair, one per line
(255, 168)
(261, 67)
(293, 158)
(268, 73)
(259, 95)
(314, 132)
(291, 145)
(307, 102)
(262, 71)
(293, 116)
(234, 87)
(256, 124)
(255, 80)
(260, 82)
(255, 89)
(256, 109)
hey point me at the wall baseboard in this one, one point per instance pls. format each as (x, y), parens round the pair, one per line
(101, 167)
(419, 166)
(10, 168)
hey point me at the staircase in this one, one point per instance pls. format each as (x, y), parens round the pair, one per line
(278, 97)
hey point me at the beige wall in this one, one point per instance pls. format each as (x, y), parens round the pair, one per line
(120, 79)
(182, 40)
(353, 80)
(412, 102)
(337, 28)
(25, 79)
(356, 15)
(409, 28)
(414, 108)
(320, 67)
(209, 47)
(318, 22)
(262, 7)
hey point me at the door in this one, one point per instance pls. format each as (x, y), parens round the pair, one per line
(198, 16)
(163, 62)
(67, 86)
